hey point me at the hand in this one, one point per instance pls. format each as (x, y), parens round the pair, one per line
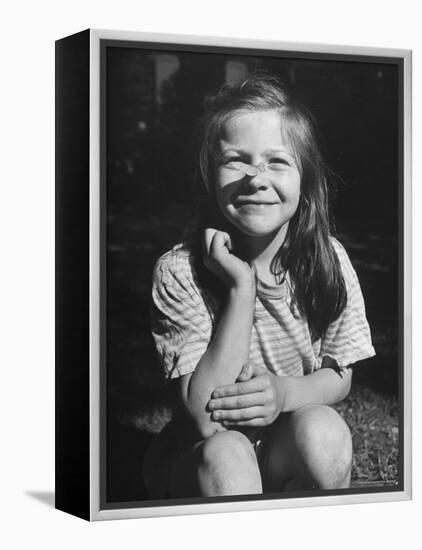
(218, 258)
(256, 399)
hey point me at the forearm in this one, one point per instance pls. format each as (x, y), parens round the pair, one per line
(224, 358)
(325, 386)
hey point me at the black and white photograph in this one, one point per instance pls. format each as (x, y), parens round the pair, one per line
(210, 284)
(252, 265)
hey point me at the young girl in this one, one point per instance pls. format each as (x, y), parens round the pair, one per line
(260, 318)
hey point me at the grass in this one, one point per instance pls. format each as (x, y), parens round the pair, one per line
(373, 421)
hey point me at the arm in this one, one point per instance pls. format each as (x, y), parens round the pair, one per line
(222, 362)
(229, 349)
(323, 387)
(260, 400)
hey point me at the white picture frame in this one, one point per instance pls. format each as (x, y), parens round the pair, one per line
(80, 475)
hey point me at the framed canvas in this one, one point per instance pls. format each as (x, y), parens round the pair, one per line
(128, 109)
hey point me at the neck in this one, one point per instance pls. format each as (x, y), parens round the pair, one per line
(262, 250)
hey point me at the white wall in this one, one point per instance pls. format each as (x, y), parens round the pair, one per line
(27, 270)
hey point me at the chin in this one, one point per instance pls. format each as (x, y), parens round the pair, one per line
(257, 226)
(258, 231)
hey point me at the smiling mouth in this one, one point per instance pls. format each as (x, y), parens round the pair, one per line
(240, 203)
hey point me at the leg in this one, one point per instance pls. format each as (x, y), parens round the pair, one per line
(324, 442)
(310, 448)
(223, 464)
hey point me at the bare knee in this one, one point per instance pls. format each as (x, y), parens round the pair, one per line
(228, 465)
(324, 442)
(227, 445)
(223, 449)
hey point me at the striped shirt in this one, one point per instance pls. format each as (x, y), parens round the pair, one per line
(183, 318)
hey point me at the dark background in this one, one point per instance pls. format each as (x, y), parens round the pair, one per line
(154, 101)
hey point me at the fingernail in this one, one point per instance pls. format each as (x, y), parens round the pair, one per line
(216, 415)
(211, 404)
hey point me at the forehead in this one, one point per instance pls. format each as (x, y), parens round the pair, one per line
(251, 129)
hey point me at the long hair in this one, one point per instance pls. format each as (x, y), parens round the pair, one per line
(307, 254)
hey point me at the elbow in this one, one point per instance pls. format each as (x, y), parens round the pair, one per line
(202, 420)
(207, 429)
(195, 403)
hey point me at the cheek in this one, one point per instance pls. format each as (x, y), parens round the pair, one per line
(225, 178)
(295, 186)
(225, 189)
(288, 190)
(296, 195)
(221, 194)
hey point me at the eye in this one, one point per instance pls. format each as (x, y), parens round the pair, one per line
(277, 163)
(233, 163)
(277, 160)
(232, 159)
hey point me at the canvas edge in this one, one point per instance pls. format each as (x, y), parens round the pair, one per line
(225, 41)
(172, 510)
(94, 270)
(407, 267)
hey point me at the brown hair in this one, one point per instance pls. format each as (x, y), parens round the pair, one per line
(319, 292)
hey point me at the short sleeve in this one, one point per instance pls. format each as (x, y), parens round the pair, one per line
(180, 320)
(348, 339)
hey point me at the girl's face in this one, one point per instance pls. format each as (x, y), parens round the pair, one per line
(261, 198)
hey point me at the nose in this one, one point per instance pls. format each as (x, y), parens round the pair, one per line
(256, 183)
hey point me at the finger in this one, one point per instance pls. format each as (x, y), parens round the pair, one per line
(221, 243)
(250, 370)
(245, 373)
(208, 237)
(260, 383)
(237, 402)
(256, 370)
(237, 415)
